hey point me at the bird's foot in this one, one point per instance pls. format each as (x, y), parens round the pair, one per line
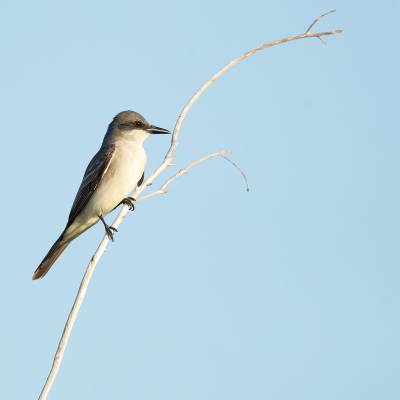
(130, 202)
(110, 230)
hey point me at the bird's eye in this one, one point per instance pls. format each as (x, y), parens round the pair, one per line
(126, 126)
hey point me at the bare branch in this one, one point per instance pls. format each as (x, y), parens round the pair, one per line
(137, 193)
(164, 188)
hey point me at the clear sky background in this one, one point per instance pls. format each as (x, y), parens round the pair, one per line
(288, 292)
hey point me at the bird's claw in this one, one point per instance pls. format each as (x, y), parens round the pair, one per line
(110, 230)
(129, 201)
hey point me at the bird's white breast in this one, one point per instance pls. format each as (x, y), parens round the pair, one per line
(125, 170)
(121, 176)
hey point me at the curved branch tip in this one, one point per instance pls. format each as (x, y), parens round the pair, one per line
(316, 20)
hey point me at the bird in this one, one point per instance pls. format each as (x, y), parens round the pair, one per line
(112, 174)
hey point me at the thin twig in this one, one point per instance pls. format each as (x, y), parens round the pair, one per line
(239, 169)
(317, 19)
(164, 188)
(315, 22)
(167, 161)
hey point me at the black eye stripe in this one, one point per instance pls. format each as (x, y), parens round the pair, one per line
(131, 125)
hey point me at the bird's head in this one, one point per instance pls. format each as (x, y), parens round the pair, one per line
(132, 126)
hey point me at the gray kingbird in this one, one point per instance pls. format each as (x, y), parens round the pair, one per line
(116, 169)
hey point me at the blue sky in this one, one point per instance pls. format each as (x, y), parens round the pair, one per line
(287, 292)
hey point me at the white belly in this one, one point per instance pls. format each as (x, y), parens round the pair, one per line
(121, 177)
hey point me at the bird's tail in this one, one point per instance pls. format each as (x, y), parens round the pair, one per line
(55, 252)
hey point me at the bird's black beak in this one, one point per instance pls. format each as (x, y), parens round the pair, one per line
(155, 130)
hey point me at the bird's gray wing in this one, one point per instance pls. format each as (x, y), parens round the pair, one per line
(91, 180)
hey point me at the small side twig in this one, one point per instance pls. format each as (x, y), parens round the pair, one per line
(317, 19)
(164, 188)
